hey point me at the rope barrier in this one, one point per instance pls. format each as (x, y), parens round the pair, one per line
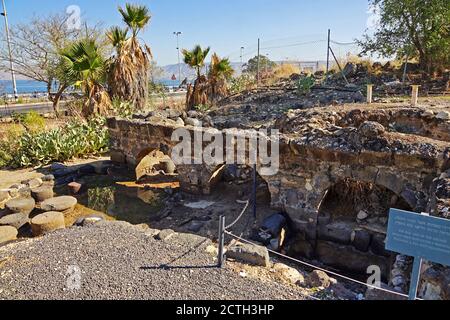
(322, 269)
(240, 216)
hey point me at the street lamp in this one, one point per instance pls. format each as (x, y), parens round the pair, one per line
(13, 74)
(242, 55)
(178, 34)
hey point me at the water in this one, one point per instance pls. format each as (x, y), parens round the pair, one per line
(23, 86)
(120, 199)
(32, 86)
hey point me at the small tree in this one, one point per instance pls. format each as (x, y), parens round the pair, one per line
(35, 51)
(197, 95)
(264, 64)
(220, 72)
(85, 67)
(419, 29)
(129, 72)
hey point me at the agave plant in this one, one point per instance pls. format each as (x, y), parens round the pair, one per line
(220, 73)
(129, 70)
(85, 67)
(198, 94)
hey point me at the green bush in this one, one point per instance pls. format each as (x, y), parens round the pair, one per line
(74, 140)
(241, 83)
(304, 85)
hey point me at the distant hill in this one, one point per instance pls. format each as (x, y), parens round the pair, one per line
(188, 72)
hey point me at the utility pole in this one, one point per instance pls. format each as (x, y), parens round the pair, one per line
(178, 34)
(259, 61)
(328, 53)
(8, 39)
(242, 56)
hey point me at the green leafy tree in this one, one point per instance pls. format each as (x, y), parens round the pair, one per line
(419, 29)
(264, 64)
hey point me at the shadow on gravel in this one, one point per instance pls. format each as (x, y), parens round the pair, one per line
(167, 267)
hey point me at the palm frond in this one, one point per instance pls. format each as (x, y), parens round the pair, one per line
(136, 17)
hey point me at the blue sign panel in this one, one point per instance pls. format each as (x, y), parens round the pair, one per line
(418, 235)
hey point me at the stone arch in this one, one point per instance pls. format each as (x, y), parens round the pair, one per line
(152, 165)
(352, 223)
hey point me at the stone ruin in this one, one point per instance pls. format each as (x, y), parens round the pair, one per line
(341, 169)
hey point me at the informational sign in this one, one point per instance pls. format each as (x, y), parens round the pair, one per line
(419, 236)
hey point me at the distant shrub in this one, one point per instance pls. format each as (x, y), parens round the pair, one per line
(283, 71)
(33, 121)
(242, 83)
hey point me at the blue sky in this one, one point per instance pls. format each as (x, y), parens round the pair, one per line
(226, 25)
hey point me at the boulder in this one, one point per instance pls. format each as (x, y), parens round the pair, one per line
(289, 274)
(20, 205)
(65, 204)
(74, 187)
(318, 279)
(7, 234)
(42, 193)
(337, 232)
(193, 122)
(16, 220)
(165, 235)
(251, 254)
(444, 115)
(371, 129)
(361, 240)
(33, 183)
(47, 222)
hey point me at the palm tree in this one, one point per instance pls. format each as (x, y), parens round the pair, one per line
(85, 67)
(197, 95)
(220, 72)
(196, 58)
(128, 75)
(117, 36)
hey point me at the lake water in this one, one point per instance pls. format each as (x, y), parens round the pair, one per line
(31, 86)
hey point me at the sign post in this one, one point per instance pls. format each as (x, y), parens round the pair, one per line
(420, 236)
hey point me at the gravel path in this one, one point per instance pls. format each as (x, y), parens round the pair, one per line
(120, 261)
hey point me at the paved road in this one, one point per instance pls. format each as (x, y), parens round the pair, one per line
(45, 107)
(120, 261)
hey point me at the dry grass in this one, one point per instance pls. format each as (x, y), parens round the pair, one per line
(285, 71)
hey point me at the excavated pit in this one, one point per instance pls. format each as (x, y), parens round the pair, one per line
(341, 169)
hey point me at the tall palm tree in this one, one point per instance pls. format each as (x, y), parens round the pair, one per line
(117, 36)
(220, 72)
(197, 95)
(196, 58)
(85, 67)
(129, 71)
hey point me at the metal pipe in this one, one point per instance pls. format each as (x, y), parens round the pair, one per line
(328, 54)
(221, 256)
(8, 40)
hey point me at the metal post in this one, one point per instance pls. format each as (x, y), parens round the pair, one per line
(257, 75)
(415, 95)
(328, 54)
(221, 256)
(8, 39)
(178, 33)
(339, 65)
(242, 56)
